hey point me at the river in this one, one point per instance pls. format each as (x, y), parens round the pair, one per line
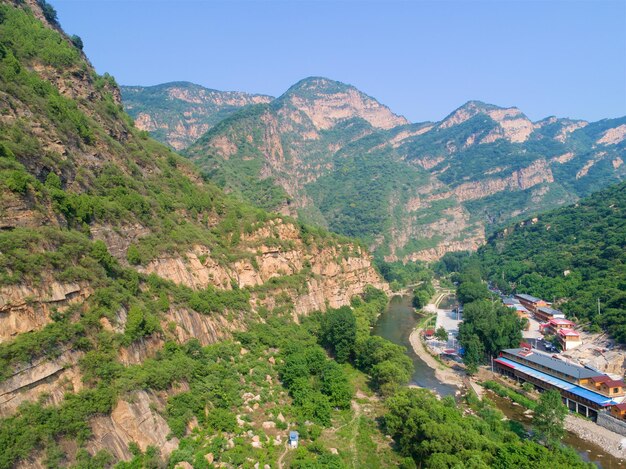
(397, 323)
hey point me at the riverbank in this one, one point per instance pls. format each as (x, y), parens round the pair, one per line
(609, 441)
(443, 374)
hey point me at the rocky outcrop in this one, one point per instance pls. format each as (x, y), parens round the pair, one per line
(327, 102)
(613, 136)
(50, 377)
(537, 173)
(334, 275)
(207, 329)
(513, 125)
(134, 419)
(180, 113)
(25, 307)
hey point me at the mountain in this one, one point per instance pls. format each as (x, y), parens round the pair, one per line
(575, 255)
(125, 278)
(179, 113)
(337, 158)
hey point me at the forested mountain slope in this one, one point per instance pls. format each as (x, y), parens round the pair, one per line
(179, 113)
(575, 255)
(335, 157)
(118, 263)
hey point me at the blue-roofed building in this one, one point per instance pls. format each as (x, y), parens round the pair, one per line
(577, 384)
(293, 439)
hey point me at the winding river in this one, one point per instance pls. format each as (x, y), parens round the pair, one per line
(397, 323)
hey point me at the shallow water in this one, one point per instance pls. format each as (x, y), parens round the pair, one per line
(588, 451)
(396, 324)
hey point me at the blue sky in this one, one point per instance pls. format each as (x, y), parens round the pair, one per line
(421, 58)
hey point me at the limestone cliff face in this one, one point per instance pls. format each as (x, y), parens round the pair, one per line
(52, 378)
(134, 419)
(182, 112)
(327, 102)
(538, 172)
(512, 124)
(26, 307)
(336, 276)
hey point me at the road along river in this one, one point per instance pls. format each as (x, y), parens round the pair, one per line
(398, 322)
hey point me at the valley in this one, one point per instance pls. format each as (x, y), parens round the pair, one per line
(335, 157)
(193, 278)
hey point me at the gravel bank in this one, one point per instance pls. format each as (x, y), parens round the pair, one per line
(445, 375)
(609, 441)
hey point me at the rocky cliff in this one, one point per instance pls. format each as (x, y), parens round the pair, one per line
(179, 113)
(113, 252)
(336, 157)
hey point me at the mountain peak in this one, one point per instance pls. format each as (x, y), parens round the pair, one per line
(327, 102)
(511, 123)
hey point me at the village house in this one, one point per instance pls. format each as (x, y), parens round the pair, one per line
(531, 303)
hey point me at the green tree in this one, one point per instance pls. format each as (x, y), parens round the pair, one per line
(339, 332)
(474, 353)
(441, 334)
(549, 417)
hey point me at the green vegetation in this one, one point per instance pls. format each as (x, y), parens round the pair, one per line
(549, 417)
(400, 275)
(435, 433)
(423, 293)
(503, 391)
(488, 326)
(575, 255)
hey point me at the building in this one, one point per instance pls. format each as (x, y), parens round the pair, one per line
(293, 439)
(568, 339)
(531, 303)
(429, 333)
(619, 411)
(510, 301)
(553, 326)
(609, 386)
(545, 313)
(576, 384)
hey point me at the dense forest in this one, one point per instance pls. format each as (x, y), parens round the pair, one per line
(574, 256)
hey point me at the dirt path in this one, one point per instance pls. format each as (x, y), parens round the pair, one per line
(356, 407)
(443, 374)
(282, 456)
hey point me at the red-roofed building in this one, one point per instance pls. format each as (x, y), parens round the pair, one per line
(619, 411)
(568, 338)
(608, 386)
(429, 333)
(554, 325)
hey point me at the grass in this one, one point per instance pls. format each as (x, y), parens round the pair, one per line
(504, 391)
(355, 432)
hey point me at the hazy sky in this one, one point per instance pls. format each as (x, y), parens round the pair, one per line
(421, 58)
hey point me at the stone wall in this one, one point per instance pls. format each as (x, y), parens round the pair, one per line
(611, 423)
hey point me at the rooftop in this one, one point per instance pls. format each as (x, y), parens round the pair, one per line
(621, 406)
(542, 359)
(524, 296)
(601, 379)
(561, 322)
(559, 383)
(551, 311)
(569, 333)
